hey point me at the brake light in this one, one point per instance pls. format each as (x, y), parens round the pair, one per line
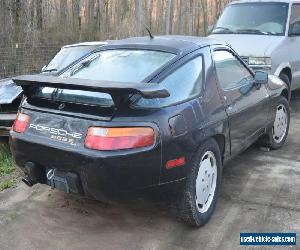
(106, 139)
(20, 123)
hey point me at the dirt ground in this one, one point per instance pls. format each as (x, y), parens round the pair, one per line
(260, 193)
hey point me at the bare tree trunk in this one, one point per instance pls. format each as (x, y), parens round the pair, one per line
(138, 14)
(198, 15)
(76, 19)
(39, 14)
(168, 17)
(101, 19)
(159, 16)
(32, 13)
(204, 16)
(91, 17)
(107, 16)
(218, 4)
(17, 23)
(17, 10)
(150, 7)
(190, 17)
(182, 14)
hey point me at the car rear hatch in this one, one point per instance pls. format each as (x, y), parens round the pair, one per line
(58, 127)
(69, 100)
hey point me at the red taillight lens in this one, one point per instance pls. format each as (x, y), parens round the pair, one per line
(20, 123)
(100, 138)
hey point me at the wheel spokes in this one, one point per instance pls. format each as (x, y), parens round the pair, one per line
(206, 182)
(280, 124)
(201, 182)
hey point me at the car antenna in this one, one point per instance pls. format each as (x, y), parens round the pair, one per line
(150, 34)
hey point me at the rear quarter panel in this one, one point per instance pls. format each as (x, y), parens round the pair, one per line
(203, 117)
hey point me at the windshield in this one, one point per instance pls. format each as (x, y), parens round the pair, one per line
(66, 56)
(253, 18)
(120, 65)
(109, 65)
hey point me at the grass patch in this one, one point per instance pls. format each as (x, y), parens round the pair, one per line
(6, 184)
(7, 165)
(8, 173)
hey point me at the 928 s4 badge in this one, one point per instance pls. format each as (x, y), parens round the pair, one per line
(63, 139)
(58, 134)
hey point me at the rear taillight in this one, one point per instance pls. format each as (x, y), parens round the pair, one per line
(20, 123)
(100, 138)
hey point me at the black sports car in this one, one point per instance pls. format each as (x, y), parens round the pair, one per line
(145, 112)
(11, 95)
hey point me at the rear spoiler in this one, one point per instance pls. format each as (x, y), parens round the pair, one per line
(115, 89)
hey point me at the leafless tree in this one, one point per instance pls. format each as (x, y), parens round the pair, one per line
(51, 21)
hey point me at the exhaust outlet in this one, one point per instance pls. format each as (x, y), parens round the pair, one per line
(35, 173)
(27, 181)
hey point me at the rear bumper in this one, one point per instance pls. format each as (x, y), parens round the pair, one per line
(6, 122)
(100, 177)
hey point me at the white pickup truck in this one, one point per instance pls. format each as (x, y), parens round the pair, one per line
(266, 34)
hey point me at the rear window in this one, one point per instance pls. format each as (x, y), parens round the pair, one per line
(109, 65)
(120, 65)
(66, 56)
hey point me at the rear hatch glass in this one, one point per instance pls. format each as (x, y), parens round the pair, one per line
(66, 56)
(111, 65)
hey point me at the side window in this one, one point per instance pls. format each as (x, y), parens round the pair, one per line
(295, 20)
(182, 84)
(230, 71)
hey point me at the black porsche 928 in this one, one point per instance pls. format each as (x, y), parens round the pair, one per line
(145, 112)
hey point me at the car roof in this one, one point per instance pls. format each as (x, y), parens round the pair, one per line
(95, 43)
(264, 1)
(171, 42)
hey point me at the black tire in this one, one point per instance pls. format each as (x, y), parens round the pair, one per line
(284, 77)
(268, 140)
(188, 210)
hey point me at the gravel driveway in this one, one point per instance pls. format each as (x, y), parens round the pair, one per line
(260, 193)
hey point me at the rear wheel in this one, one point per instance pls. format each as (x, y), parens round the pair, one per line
(198, 200)
(276, 136)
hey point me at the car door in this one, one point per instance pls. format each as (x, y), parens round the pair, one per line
(294, 44)
(247, 107)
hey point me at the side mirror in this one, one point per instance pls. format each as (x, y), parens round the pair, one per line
(261, 77)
